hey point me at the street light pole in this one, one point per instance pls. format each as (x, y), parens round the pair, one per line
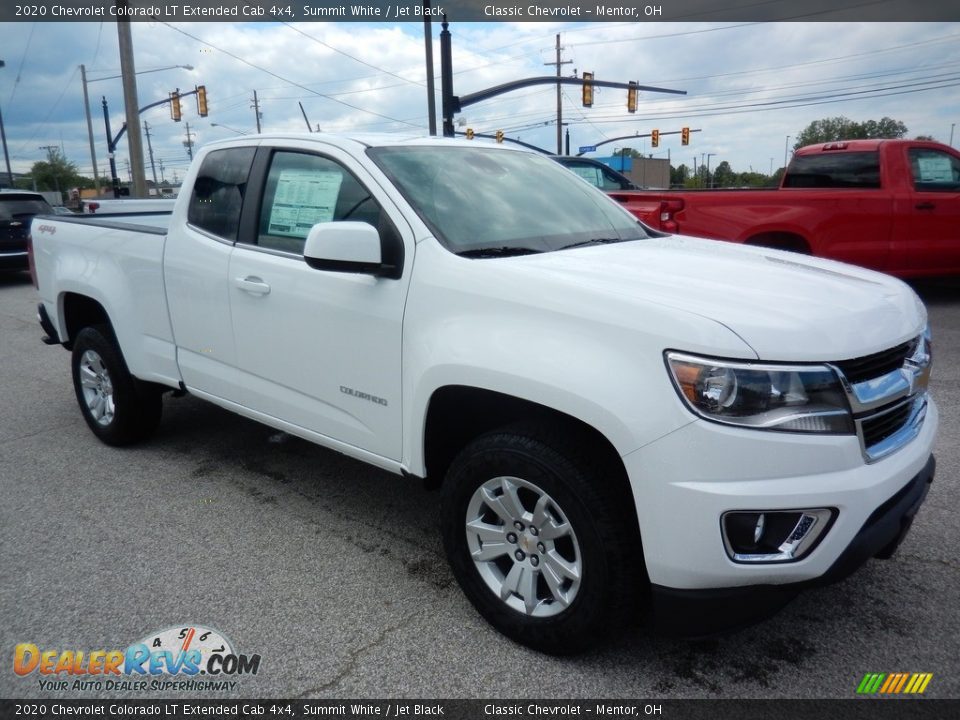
(86, 109)
(3, 136)
(786, 144)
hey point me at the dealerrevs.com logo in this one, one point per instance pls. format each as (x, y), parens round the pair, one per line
(188, 657)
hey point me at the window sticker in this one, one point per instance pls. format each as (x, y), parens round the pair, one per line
(303, 199)
(934, 168)
(590, 174)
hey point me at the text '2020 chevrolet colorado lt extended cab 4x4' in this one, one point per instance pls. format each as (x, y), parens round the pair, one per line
(612, 416)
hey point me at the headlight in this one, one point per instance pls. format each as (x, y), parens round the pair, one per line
(788, 398)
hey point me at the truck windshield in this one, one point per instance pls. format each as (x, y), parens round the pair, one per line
(505, 202)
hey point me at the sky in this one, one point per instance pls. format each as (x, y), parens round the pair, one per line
(749, 85)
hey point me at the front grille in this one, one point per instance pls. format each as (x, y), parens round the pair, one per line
(876, 365)
(882, 425)
(887, 394)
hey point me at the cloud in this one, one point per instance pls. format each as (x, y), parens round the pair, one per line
(749, 85)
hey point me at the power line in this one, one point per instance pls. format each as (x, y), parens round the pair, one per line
(291, 82)
(348, 55)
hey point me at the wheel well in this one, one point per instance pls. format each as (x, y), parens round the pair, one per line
(458, 414)
(781, 241)
(79, 312)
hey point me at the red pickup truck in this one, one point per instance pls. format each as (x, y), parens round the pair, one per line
(890, 205)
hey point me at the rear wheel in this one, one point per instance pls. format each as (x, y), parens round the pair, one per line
(118, 408)
(537, 541)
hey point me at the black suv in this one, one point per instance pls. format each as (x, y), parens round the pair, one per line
(17, 209)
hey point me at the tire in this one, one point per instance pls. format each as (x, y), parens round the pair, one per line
(559, 588)
(118, 408)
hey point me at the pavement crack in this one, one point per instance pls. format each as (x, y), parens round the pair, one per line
(353, 659)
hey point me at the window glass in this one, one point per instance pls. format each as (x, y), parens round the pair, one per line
(20, 206)
(588, 172)
(934, 170)
(835, 170)
(481, 198)
(303, 190)
(218, 191)
(611, 181)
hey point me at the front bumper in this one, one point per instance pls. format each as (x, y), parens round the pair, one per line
(700, 612)
(685, 482)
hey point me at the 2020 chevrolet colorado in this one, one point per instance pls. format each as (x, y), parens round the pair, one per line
(611, 415)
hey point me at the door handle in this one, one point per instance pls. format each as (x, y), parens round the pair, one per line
(252, 285)
(925, 206)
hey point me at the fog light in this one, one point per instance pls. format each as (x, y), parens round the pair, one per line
(774, 536)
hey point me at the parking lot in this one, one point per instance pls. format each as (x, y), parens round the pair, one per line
(333, 573)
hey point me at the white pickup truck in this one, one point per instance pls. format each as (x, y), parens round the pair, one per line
(615, 419)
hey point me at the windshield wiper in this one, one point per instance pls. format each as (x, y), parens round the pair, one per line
(593, 241)
(505, 251)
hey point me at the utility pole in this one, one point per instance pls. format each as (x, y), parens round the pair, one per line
(256, 110)
(153, 167)
(162, 178)
(86, 109)
(558, 63)
(428, 47)
(128, 72)
(3, 137)
(188, 143)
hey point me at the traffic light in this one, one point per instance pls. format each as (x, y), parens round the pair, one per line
(588, 89)
(175, 112)
(201, 100)
(655, 138)
(685, 136)
(499, 136)
(469, 133)
(632, 97)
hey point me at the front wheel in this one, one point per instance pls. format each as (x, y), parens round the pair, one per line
(538, 542)
(118, 408)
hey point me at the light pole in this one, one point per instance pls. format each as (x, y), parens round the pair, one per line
(3, 136)
(952, 125)
(709, 155)
(86, 107)
(227, 127)
(786, 144)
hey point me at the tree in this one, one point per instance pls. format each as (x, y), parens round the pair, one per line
(928, 138)
(724, 176)
(56, 173)
(843, 128)
(679, 176)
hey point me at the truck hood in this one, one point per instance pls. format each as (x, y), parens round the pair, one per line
(785, 306)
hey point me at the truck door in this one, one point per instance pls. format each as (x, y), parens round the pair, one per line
(929, 217)
(196, 260)
(319, 350)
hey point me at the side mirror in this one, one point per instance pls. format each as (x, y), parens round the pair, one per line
(345, 246)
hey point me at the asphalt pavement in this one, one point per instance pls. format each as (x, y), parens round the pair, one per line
(332, 571)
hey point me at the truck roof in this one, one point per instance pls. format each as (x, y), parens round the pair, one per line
(856, 145)
(363, 139)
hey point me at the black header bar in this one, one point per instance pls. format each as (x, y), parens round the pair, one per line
(392, 11)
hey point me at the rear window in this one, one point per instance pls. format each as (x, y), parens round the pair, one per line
(19, 206)
(835, 170)
(218, 191)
